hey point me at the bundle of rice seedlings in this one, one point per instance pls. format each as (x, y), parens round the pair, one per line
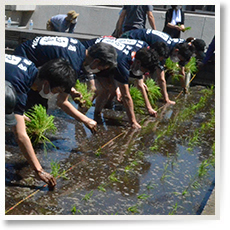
(86, 100)
(154, 91)
(40, 125)
(191, 66)
(138, 100)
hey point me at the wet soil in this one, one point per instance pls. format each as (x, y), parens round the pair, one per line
(119, 171)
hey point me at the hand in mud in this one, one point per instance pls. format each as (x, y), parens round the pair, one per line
(171, 102)
(92, 125)
(152, 112)
(136, 126)
(47, 178)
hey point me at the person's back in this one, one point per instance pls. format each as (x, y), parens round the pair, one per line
(125, 53)
(42, 49)
(152, 36)
(63, 22)
(21, 73)
(59, 22)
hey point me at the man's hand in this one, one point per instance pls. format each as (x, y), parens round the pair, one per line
(92, 125)
(152, 112)
(77, 96)
(47, 178)
(136, 126)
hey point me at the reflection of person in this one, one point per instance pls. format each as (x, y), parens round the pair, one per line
(133, 60)
(134, 17)
(98, 57)
(55, 78)
(63, 22)
(10, 102)
(174, 21)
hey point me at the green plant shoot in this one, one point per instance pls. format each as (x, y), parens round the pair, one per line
(39, 125)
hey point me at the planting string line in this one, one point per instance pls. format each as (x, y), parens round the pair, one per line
(45, 185)
(32, 194)
(39, 189)
(110, 141)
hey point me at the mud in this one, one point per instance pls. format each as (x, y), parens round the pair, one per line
(123, 177)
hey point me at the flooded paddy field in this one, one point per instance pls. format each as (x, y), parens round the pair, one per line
(166, 168)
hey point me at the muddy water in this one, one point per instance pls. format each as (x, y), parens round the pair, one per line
(122, 177)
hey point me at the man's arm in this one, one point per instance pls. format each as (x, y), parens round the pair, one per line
(120, 22)
(28, 151)
(72, 27)
(140, 86)
(151, 20)
(162, 83)
(67, 107)
(128, 103)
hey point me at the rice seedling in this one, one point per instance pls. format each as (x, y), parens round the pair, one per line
(88, 196)
(55, 170)
(138, 100)
(199, 132)
(40, 125)
(101, 188)
(113, 177)
(133, 209)
(150, 186)
(139, 154)
(111, 213)
(74, 210)
(173, 69)
(187, 28)
(154, 91)
(157, 141)
(98, 152)
(203, 168)
(143, 196)
(191, 66)
(128, 168)
(87, 96)
(174, 209)
(166, 172)
(195, 140)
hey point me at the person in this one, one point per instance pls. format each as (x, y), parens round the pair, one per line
(199, 45)
(10, 102)
(96, 58)
(174, 21)
(56, 77)
(210, 52)
(63, 22)
(179, 51)
(134, 17)
(133, 60)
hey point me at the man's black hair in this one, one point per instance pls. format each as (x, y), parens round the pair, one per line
(185, 50)
(106, 53)
(199, 44)
(161, 48)
(148, 58)
(59, 73)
